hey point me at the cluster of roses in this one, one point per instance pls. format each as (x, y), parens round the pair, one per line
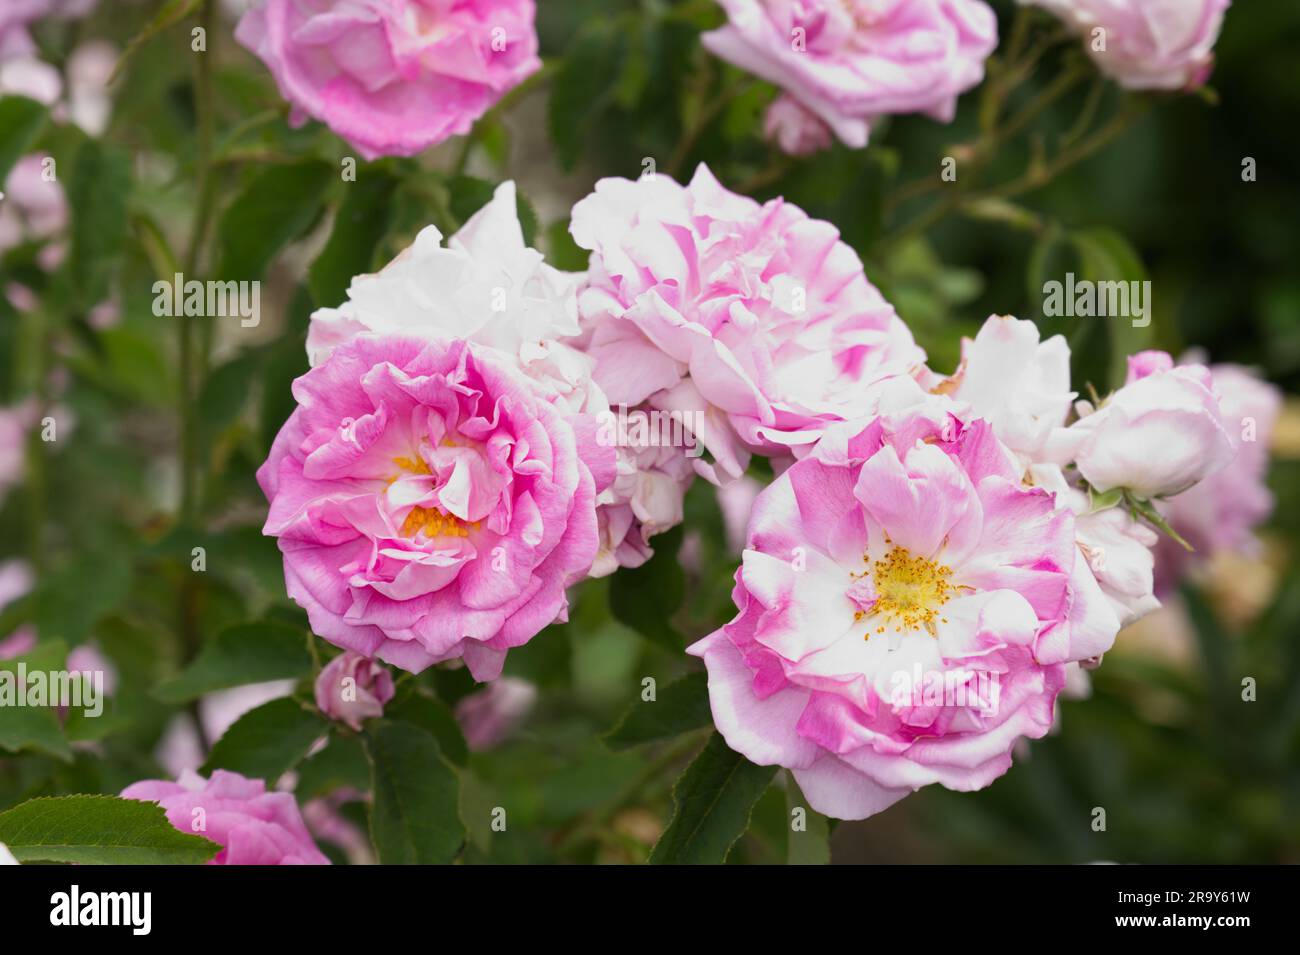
(448, 472)
(444, 479)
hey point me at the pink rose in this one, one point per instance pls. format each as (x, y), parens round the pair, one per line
(34, 209)
(1146, 44)
(17, 15)
(851, 61)
(907, 608)
(352, 688)
(797, 130)
(754, 322)
(253, 826)
(1157, 436)
(393, 77)
(489, 716)
(431, 503)
(1220, 513)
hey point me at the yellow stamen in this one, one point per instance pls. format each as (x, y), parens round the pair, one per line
(909, 591)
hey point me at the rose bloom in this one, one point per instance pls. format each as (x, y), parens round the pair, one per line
(754, 321)
(393, 77)
(796, 129)
(894, 559)
(363, 698)
(431, 502)
(487, 718)
(1156, 436)
(851, 61)
(1220, 513)
(254, 827)
(1149, 44)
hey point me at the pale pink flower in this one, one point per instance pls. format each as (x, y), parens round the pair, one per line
(754, 322)
(1156, 436)
(797, 130)
(1220, 513)
(352, 688)
(431, 502)
(1146, 44)
(901, 557)
(487, 718)
(16, 16)
(852, 61)
(253, 826)
(393, 77)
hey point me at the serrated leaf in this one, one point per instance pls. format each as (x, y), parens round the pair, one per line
(415, 819)
(712, 803)
(359, 227)
(99, 830)
(276, 206)
(267, 741)
(242, 654)
(679, 707)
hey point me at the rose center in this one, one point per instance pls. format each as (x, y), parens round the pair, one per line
(430, 521)
(910, 591)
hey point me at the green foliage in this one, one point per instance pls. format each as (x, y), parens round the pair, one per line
(241, 654)
(99, 830)
(415, 818)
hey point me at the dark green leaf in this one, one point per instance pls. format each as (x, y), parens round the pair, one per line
(277, 205)
(99, 830)
(679, 707)
(35, 728)
(244, 653)
(359, 227)
(415, 818)
(645, 598)
(97, 197)
(432, 716)
(712, 802)
(267, 741)
(21, 120)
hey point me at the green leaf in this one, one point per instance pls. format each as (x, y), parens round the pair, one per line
(432, 716)
(97, 197)
(34, 728)
(645, 598)
(277, 205)
(679, 707)
(99, 830)
(341, 764)
(415, 817)
(712, 803)
(359, 227)
(267, 741)
(225, 393)
(21, 121)
(241, 654)
(582, 88)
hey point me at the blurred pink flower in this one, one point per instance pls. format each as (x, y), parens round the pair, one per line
(489, 716)
(852, 61)
(796, 129)
(254, 827)
(393, 77)
(1146, 44)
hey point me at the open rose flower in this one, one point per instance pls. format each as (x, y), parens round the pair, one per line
(754, 322)
(851, 61)
(1156, 436)
(352, 688)
(431, 502)
(1146, 44)
(393, 77)
(907, 608)
(253, 826)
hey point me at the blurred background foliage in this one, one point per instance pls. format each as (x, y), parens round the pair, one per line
(110, 512)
